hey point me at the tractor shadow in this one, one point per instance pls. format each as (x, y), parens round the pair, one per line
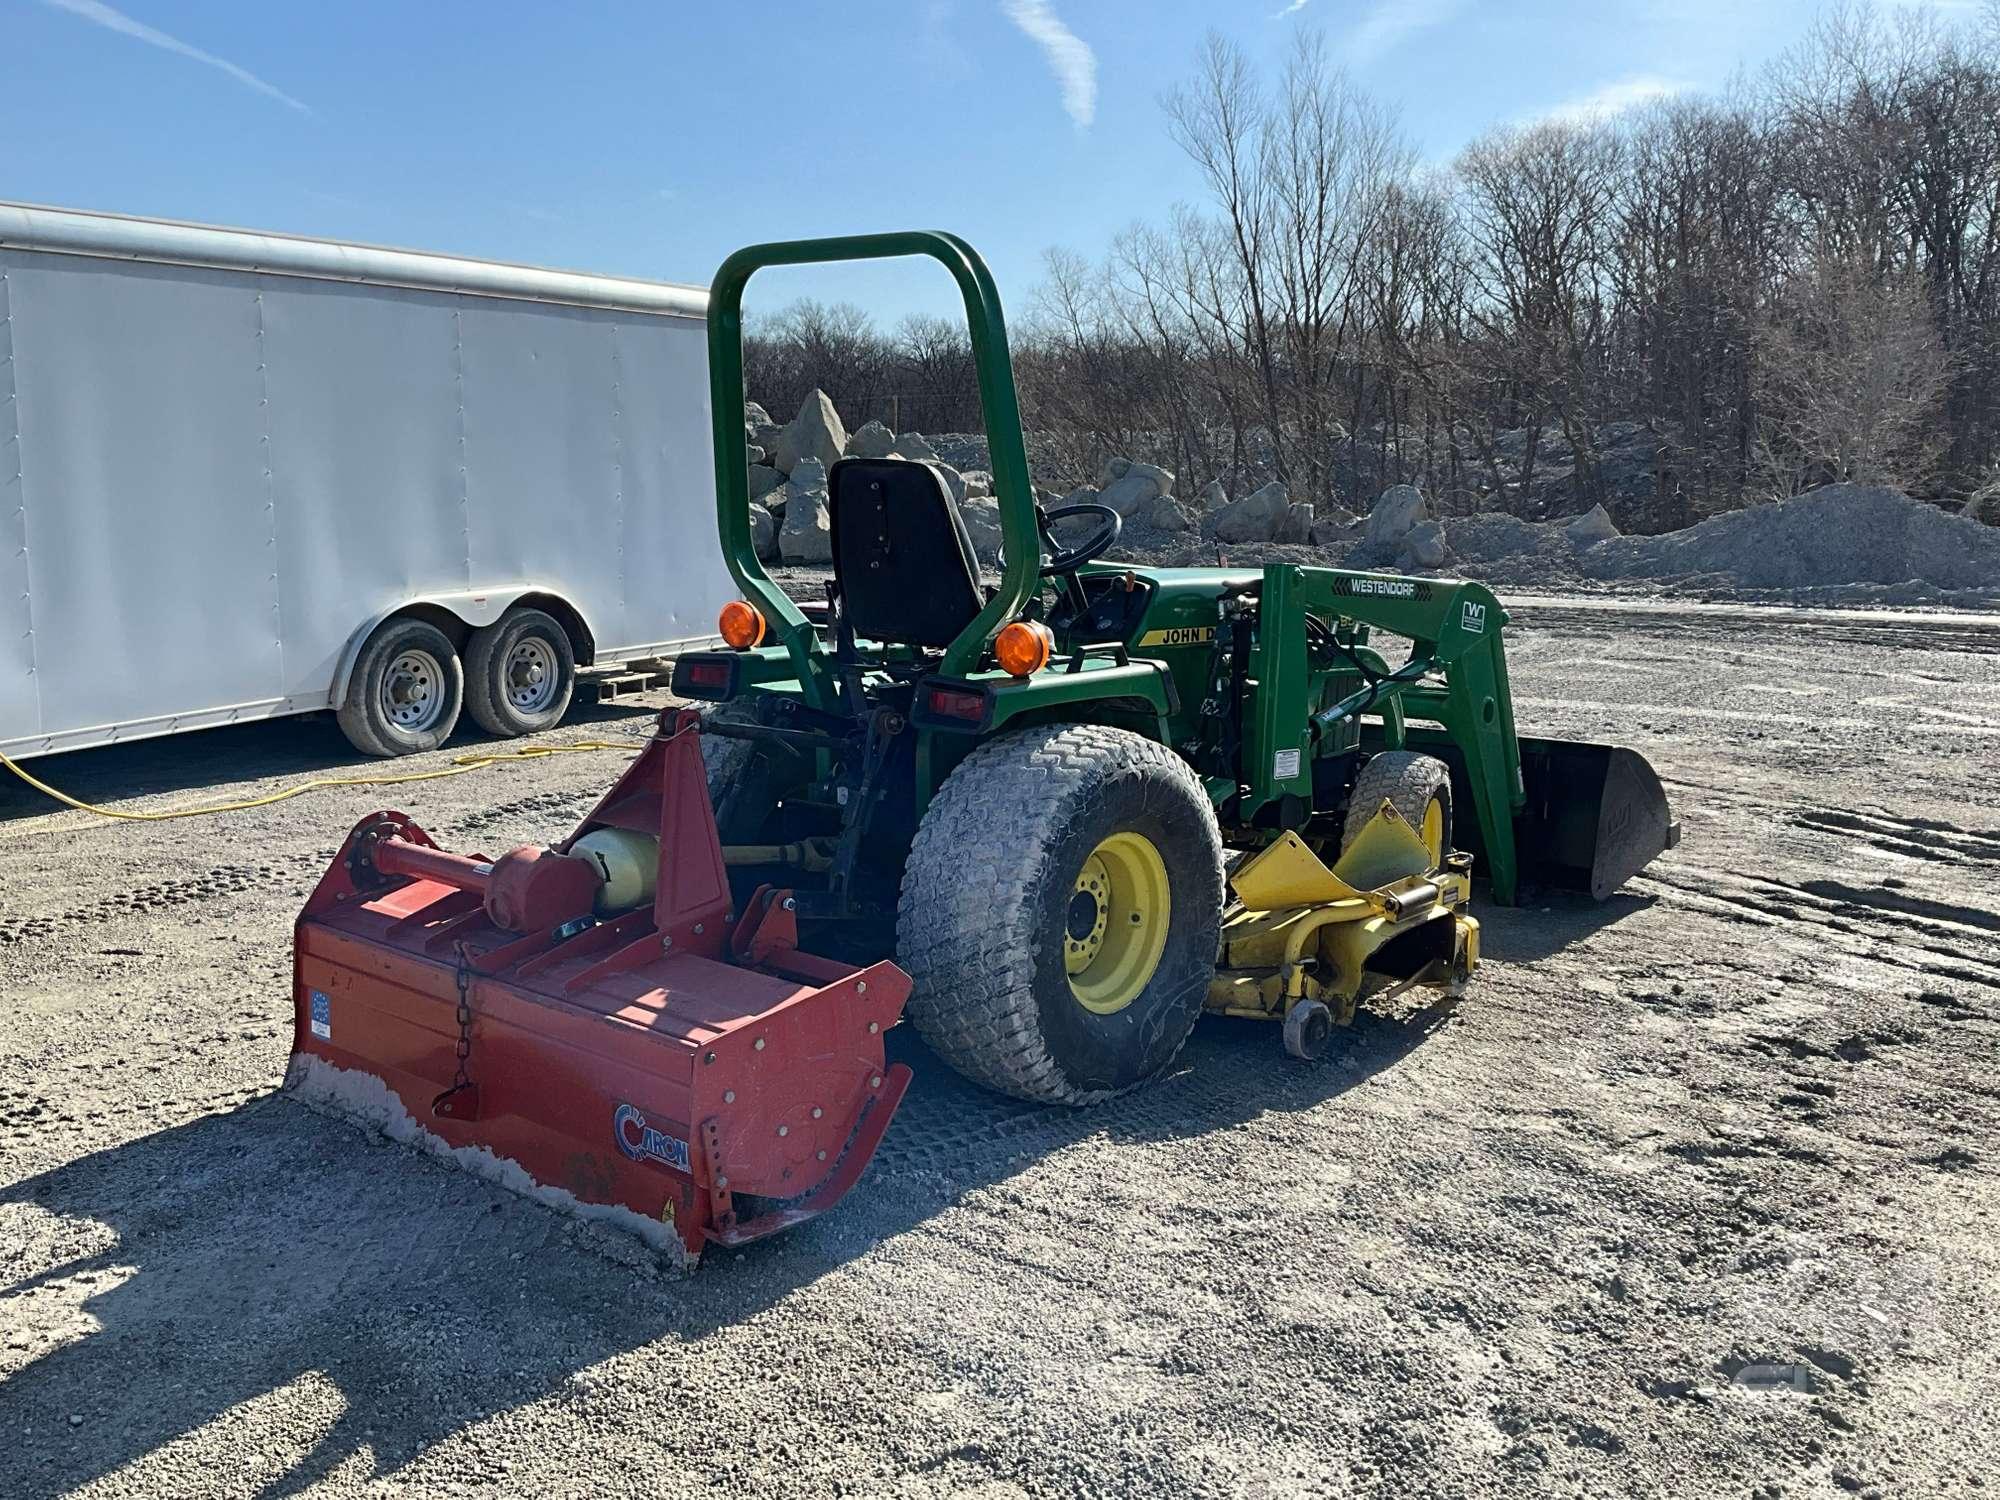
(201, 762)
(1547, 923)
(220, 1262)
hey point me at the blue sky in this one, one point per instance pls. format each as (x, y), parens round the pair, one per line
(651, 139)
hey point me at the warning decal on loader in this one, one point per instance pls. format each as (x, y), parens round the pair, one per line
(322, 1015)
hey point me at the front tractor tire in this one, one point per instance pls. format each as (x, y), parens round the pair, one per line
(1417, 786)
(1061, 911)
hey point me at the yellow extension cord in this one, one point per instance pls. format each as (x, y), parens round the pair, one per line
(459, 767)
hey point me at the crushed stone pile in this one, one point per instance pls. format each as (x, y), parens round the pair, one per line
(1840, 534)
(1844, 544)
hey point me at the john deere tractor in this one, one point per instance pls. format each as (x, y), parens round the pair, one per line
(1084, 802)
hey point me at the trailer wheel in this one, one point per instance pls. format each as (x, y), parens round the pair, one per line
(1417, 786)
(1061, 911)
(406, 691)
(520, 673)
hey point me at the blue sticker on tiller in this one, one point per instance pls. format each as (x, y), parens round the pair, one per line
(642, 1142)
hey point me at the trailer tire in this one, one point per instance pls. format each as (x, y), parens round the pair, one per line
(520, 674)
(1414, 785)
(1007, 856)
(406, 691)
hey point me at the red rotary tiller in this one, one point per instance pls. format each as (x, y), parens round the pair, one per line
(596, 1018)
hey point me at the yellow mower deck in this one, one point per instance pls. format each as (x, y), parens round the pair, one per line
(1386, 914)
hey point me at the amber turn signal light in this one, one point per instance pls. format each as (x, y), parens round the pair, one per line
(1023, 647)
(742, 625)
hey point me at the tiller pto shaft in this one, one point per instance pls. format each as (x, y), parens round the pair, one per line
(595, 1024)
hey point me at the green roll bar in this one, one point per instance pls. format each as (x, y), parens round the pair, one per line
(997, 403)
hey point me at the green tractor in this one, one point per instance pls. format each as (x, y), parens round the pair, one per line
(1083, 805)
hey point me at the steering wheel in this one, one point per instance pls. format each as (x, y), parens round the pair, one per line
(1061, 561)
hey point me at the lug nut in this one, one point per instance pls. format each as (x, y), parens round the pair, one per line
(873, 1027)
(861, 987)
(817, 1111)
(784, 1130)
(819, 1156)
(729, 1096)
(758, 1045)
(875, 1081)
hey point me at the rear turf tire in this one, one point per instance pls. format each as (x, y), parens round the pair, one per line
(991, 890)
(1417, 786)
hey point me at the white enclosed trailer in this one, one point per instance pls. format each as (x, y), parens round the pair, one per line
(245, 475)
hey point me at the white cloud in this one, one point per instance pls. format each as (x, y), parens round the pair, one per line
(1391, 22)
(1614, 98)
(1290, 10)
(99, 14)
(1069, 56)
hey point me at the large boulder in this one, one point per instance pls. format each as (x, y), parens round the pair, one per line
(1254, 518)
(1400, 508)
(954, 481)
(1213, 496)
(870, 440)
(763, 481)
(1336, 529)
(763, 532)
(807, 533)
(914, 445)
(1163, 513)
(1295, 525)
(1139, 485)
(982, 523)
(1422, 546)
(1116, 469)
(758, 428)
(977, 482)
(816, 432)
(1594, 525)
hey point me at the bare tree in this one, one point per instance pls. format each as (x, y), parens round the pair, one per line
(1852, 376)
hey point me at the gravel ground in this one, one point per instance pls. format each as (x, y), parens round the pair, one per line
(1693, 1195)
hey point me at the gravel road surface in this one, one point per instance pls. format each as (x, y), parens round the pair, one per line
(1693, 1195)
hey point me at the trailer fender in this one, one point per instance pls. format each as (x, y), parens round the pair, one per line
(471, 609)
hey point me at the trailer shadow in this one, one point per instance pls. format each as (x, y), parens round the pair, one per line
(287, 749)
(225, 1260)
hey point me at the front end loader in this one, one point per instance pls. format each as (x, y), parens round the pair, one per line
(1061, 813)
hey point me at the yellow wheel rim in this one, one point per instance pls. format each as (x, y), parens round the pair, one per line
(1116, 927)
(1433, 831)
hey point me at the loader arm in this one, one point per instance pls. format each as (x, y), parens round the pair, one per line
(1001, 409)
(1456, 677)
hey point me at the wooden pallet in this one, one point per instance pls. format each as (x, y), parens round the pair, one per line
(627, 679)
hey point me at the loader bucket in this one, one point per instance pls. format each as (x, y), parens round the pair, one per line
(679, 1068)
(1596, 815)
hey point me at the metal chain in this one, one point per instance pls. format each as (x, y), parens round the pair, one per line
(461, 1082)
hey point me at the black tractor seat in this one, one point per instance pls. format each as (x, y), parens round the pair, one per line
(902, 559)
